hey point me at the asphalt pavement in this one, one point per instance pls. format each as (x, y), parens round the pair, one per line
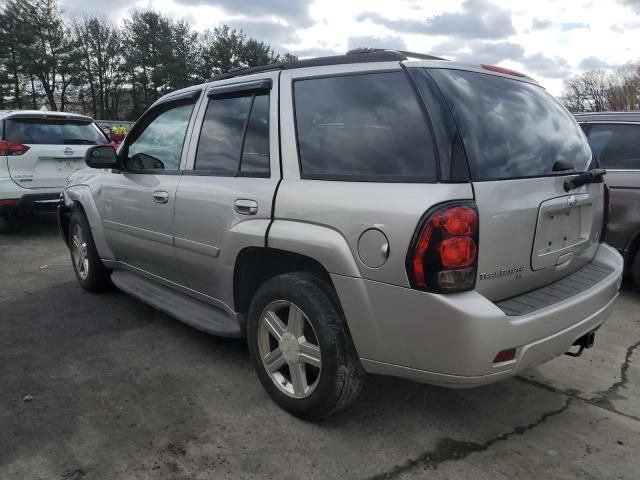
(105, 387)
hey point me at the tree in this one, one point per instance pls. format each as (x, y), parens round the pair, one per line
(100, 60)
(600, 90)
(221, 51)
(48, 46)
(90, 65)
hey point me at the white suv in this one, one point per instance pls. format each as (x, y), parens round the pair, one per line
(38, 151)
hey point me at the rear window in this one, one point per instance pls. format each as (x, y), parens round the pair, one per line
(362, 127)
(49, 131)
(616, 146)
(509, 128)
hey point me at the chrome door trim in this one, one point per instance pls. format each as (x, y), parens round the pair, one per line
(138, 232)
(197, 247)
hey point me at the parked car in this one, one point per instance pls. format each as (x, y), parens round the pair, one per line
(38, 151)
(368, 212)
(615, 140)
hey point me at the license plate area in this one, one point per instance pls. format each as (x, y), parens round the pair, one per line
(69, 164)
(563, 228)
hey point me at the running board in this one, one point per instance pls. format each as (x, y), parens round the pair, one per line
(193, 312)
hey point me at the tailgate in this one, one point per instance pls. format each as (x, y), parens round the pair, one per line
(521, 146)
(46, 166)
(533, 233)
(56, 147)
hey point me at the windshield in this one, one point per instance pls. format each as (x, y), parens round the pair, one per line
(509, 128)
(49, 131)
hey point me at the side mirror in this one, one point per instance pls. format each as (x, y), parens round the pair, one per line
(101, 156)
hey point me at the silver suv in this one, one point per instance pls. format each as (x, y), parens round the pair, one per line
(361, 213)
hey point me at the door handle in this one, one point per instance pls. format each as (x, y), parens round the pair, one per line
(246, 207)
(160, 197)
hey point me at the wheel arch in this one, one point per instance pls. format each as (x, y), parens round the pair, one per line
(80, 196)
(256, 265)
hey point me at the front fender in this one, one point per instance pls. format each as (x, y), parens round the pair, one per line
(81, 194)
(323, 244)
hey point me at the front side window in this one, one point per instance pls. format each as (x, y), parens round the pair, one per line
(362, 127)
(234, 139)
(616, 146)
(52, 131)
(159, 145)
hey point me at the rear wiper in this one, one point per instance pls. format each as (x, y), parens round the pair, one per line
(561, 166)
(590, 176)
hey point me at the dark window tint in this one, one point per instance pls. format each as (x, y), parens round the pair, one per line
(585, 127)
(44, 131)
(616, 146)
(255, 153)
(510, 128)
(365, 126)
(221, 135)
(159, 145)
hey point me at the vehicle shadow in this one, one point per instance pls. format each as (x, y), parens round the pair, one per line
(152, 384)
(41, 225)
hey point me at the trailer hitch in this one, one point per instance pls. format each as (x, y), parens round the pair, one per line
(585, 341)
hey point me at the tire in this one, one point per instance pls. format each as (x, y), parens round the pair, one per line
(333, 375)
(635, 269)
(91, 273)
(4, 224)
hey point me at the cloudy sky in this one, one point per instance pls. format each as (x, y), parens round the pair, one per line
(549, 40)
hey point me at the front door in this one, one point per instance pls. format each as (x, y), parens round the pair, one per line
(138, 203)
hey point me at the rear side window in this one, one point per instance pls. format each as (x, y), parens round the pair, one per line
(50, 131)
(362, 127)
(234, 139)
(510, 128)
(616, 146)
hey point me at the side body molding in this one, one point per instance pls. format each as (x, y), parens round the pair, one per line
(82, 194)
(323, 244)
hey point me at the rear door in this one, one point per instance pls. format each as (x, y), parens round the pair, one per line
(532, 231)
(56, 148)
(225, 196)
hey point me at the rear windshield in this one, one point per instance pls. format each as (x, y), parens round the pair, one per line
(509, 128)
(48, 131)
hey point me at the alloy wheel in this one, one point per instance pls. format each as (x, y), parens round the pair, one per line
(79, 252)
(289, 349)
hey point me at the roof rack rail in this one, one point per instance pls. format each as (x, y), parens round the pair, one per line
(405, 53)
(357, 55)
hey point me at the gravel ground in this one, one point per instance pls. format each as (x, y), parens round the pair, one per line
(104, 387)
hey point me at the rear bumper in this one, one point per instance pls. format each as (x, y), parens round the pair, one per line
(452, 340)
(33, 202)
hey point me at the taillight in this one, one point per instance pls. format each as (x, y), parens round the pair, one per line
(11, 149)
(606, 213)
(444, 253)
(8, 202)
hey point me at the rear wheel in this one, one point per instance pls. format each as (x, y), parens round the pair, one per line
(301, 347)
(635, 269)
(4, 224)
(89, 269)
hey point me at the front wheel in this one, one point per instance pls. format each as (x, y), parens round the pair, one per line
(91, 273)
(301, 347)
